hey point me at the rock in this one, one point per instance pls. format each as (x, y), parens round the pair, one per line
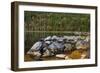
(52, 46)
(46, 53)
(67, 47)
(30, 52)
(47, 38)
(60, 55)
(37, 53)
(48, 42)
(87, 39)
(36, 46)
(83, 56)
(60, 39)
(59, 45)
(55, 37)
(75, 55)
(67, 58)
(34, 53)
(82, 44)
(56, 47)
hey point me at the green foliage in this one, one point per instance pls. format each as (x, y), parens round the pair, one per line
(47, 21)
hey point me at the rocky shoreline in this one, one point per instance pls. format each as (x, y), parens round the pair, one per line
(59, 46)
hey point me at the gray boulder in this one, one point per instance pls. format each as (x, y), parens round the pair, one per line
(68, 47)
(82, 44)
(35, 47)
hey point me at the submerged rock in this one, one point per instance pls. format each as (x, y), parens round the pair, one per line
(60, 56)
(75, 55)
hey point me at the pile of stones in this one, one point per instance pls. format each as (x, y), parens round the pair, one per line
(53, 45)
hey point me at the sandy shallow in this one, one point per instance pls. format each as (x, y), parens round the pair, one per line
(84, 55)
